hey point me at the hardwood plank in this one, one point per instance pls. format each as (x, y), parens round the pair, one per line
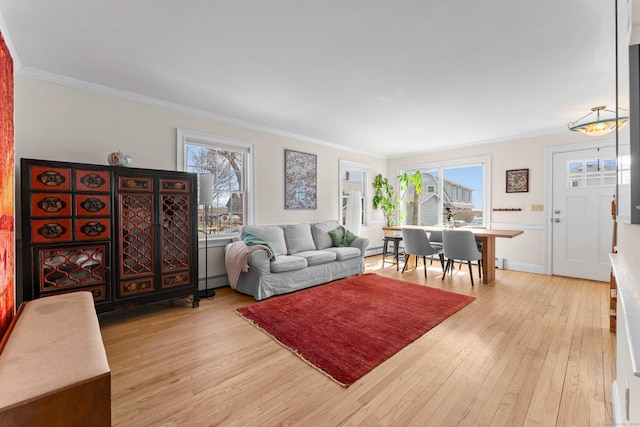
(531, 350)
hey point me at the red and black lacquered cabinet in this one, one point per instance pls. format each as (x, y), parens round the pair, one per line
(157, 234)
(126, 235)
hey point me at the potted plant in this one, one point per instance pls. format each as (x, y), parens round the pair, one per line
(391, 202)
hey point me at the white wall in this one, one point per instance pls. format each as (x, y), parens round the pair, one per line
(57, 122)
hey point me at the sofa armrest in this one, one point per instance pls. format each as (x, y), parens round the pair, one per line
(260, 260)
(361, 243)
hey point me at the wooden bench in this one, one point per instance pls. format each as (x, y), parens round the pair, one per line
(53, 368)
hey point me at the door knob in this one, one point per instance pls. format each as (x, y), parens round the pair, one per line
(556, 220)
(556, 211)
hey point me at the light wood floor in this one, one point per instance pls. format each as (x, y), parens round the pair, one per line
(531, 350)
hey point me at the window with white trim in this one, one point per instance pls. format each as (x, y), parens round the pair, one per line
(461, 187)
(354, 180)
(224, 169)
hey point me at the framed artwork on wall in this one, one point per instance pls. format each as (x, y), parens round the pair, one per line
(300, 180)
(518, 181)
(7, 168)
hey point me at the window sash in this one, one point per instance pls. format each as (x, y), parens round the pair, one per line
(238, 189)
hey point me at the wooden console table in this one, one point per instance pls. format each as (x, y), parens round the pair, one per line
(488, 235)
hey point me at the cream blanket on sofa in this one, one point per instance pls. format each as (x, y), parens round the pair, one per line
(236, 256)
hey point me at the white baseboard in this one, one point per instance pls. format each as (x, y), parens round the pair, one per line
(373, 250)
(528, 268)
(212, 282)
(616, 405)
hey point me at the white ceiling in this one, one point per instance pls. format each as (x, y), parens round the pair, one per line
(383, 77)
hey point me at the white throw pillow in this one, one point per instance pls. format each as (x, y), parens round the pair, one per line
(320, 233)
(298, 238)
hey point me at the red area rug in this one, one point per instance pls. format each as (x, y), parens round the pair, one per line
(348, 327)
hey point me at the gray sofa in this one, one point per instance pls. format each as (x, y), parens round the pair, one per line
(304, 256)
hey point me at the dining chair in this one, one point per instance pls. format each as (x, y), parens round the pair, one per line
(435, 238)
(416, 243)
(461, 245)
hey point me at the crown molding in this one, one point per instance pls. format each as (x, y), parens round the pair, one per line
(7, 40)
(130, 96)
(483, 142)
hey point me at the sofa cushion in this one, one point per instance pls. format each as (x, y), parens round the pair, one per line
(320, 232)
(298, 238)
(342, 237)
(270, 233)
(344, 253)
(318, 257)
(288, 263)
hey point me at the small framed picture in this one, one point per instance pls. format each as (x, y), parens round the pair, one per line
(518, 181)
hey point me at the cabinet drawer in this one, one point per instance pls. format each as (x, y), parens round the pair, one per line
(175, 185)
(99, 292)
(44, 231)
(93, 229)
(176, 279)
(135, 183)
(50, 205)
(135, 287)
(47, 178)
(93, 205)
(92, 180)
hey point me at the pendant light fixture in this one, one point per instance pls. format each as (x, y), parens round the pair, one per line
(598, 126)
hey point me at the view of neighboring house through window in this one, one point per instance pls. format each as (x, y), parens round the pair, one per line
(456, 187)
(353, 189)
(592, 172)
(226, 164)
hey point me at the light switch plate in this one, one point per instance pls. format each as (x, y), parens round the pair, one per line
(537, 208)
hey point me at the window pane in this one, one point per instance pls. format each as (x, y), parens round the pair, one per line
(352, 180)
(592, 175)
(412, 204)
(343, 209)
(610, 167)
(426, 210)
(575, 174)
(463, 193)
(227, 167)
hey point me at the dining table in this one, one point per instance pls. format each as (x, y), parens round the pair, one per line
(488, 236)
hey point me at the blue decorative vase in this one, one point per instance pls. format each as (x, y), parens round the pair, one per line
(118, 158)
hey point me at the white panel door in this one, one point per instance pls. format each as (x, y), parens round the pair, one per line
(583, 188)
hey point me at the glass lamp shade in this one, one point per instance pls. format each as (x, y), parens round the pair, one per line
(599, 127)
(205, 189)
